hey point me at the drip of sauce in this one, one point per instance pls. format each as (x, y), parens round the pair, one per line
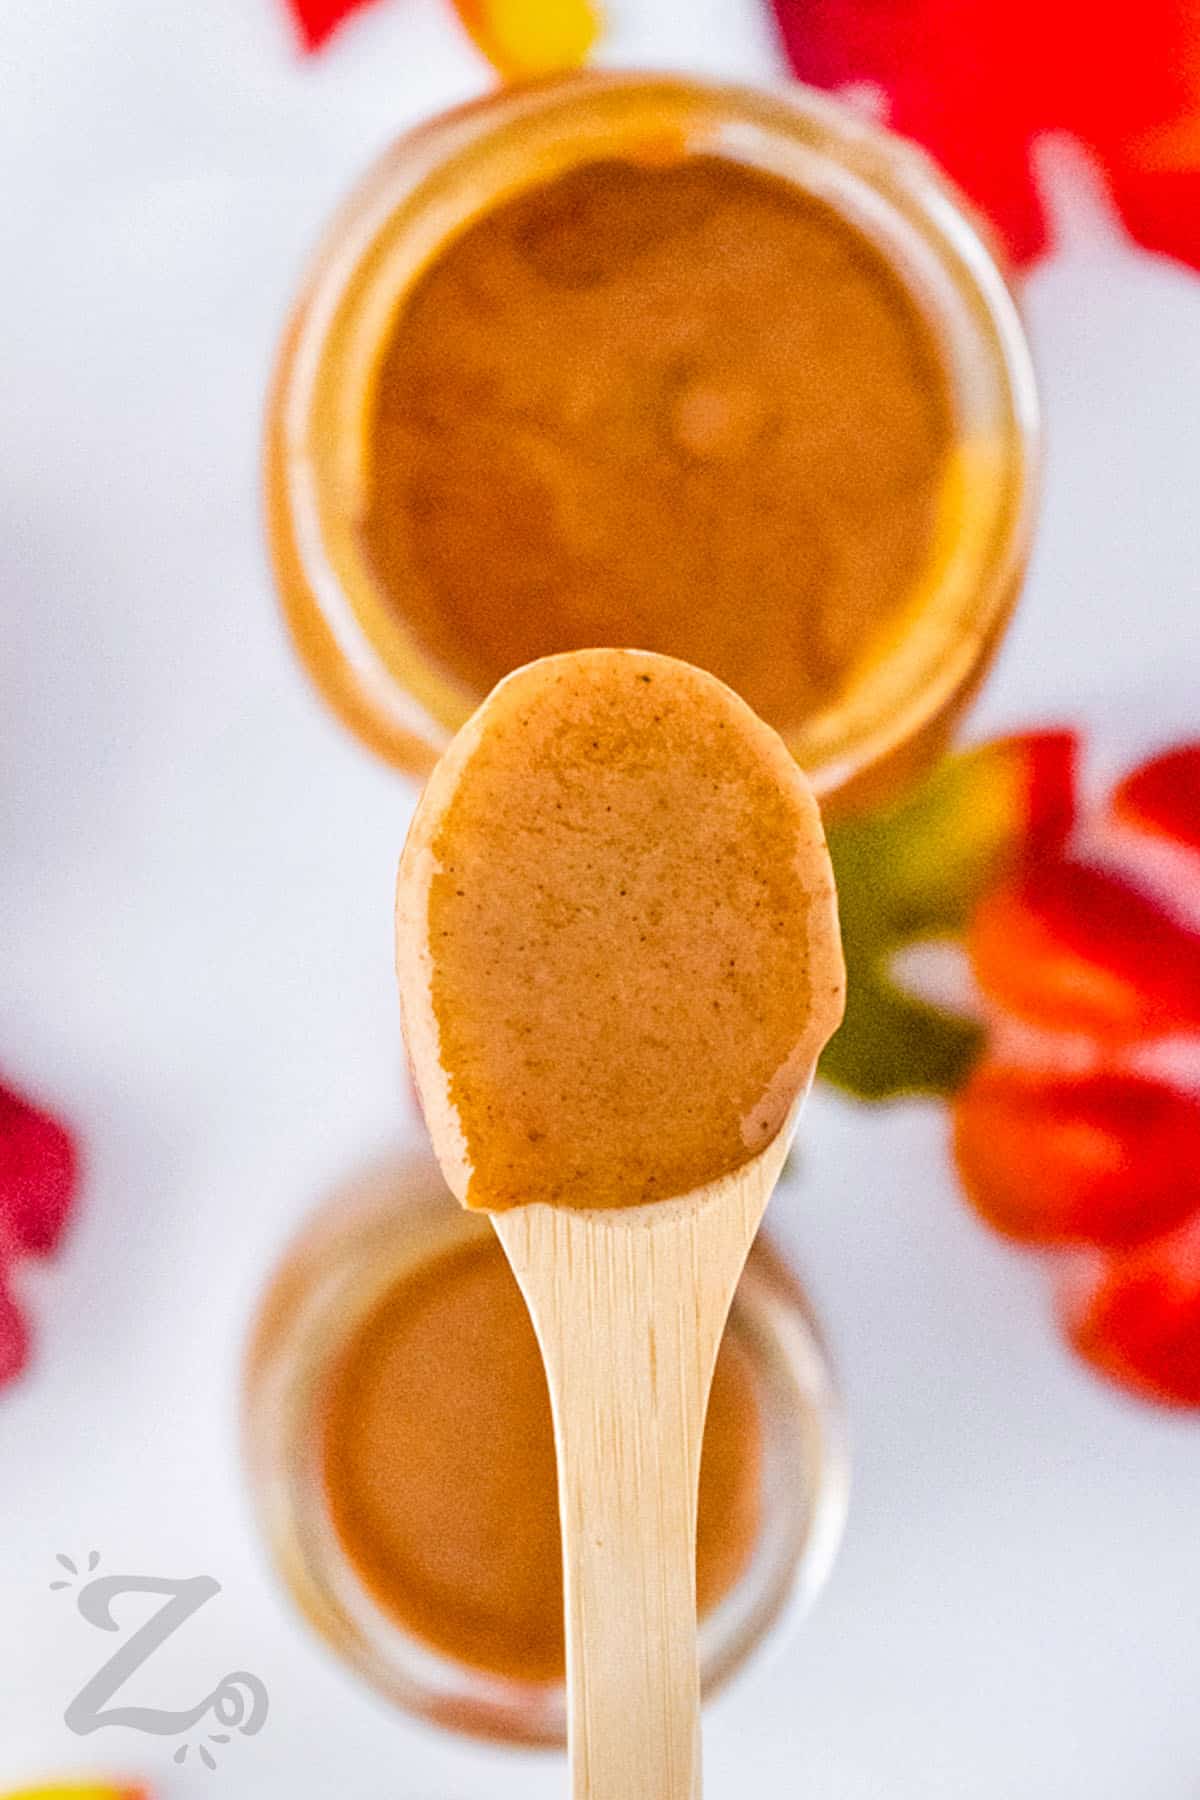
(438, 1460)
(617, 892)
(684, 408)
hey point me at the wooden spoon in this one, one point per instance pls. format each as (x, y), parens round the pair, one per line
(618, 959)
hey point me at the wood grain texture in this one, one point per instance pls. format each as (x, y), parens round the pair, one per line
(629, 1308)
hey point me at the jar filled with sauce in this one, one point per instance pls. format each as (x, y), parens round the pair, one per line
(398, 1442)
(644, 362)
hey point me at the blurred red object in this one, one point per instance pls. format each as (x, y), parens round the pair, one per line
(319, 19)
(978, 84)
(1075, 1128)
(1075, 948)
(38, 1181)
(1162, 798)
(1108, 1158)
(1074, 1084)
(1136, 1318)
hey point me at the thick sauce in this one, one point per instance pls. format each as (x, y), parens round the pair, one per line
(617, 909)
(438, 1459)
(682, 408)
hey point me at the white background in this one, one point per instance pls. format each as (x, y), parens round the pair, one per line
(195, 965)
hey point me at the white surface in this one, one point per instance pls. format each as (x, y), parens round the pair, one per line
(195, 963)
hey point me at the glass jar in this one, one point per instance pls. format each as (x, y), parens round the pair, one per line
(392, 1221)
(896, 712)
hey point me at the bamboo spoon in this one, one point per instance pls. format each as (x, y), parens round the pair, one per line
(618, 960)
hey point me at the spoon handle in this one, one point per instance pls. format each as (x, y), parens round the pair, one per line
(629, 1308)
